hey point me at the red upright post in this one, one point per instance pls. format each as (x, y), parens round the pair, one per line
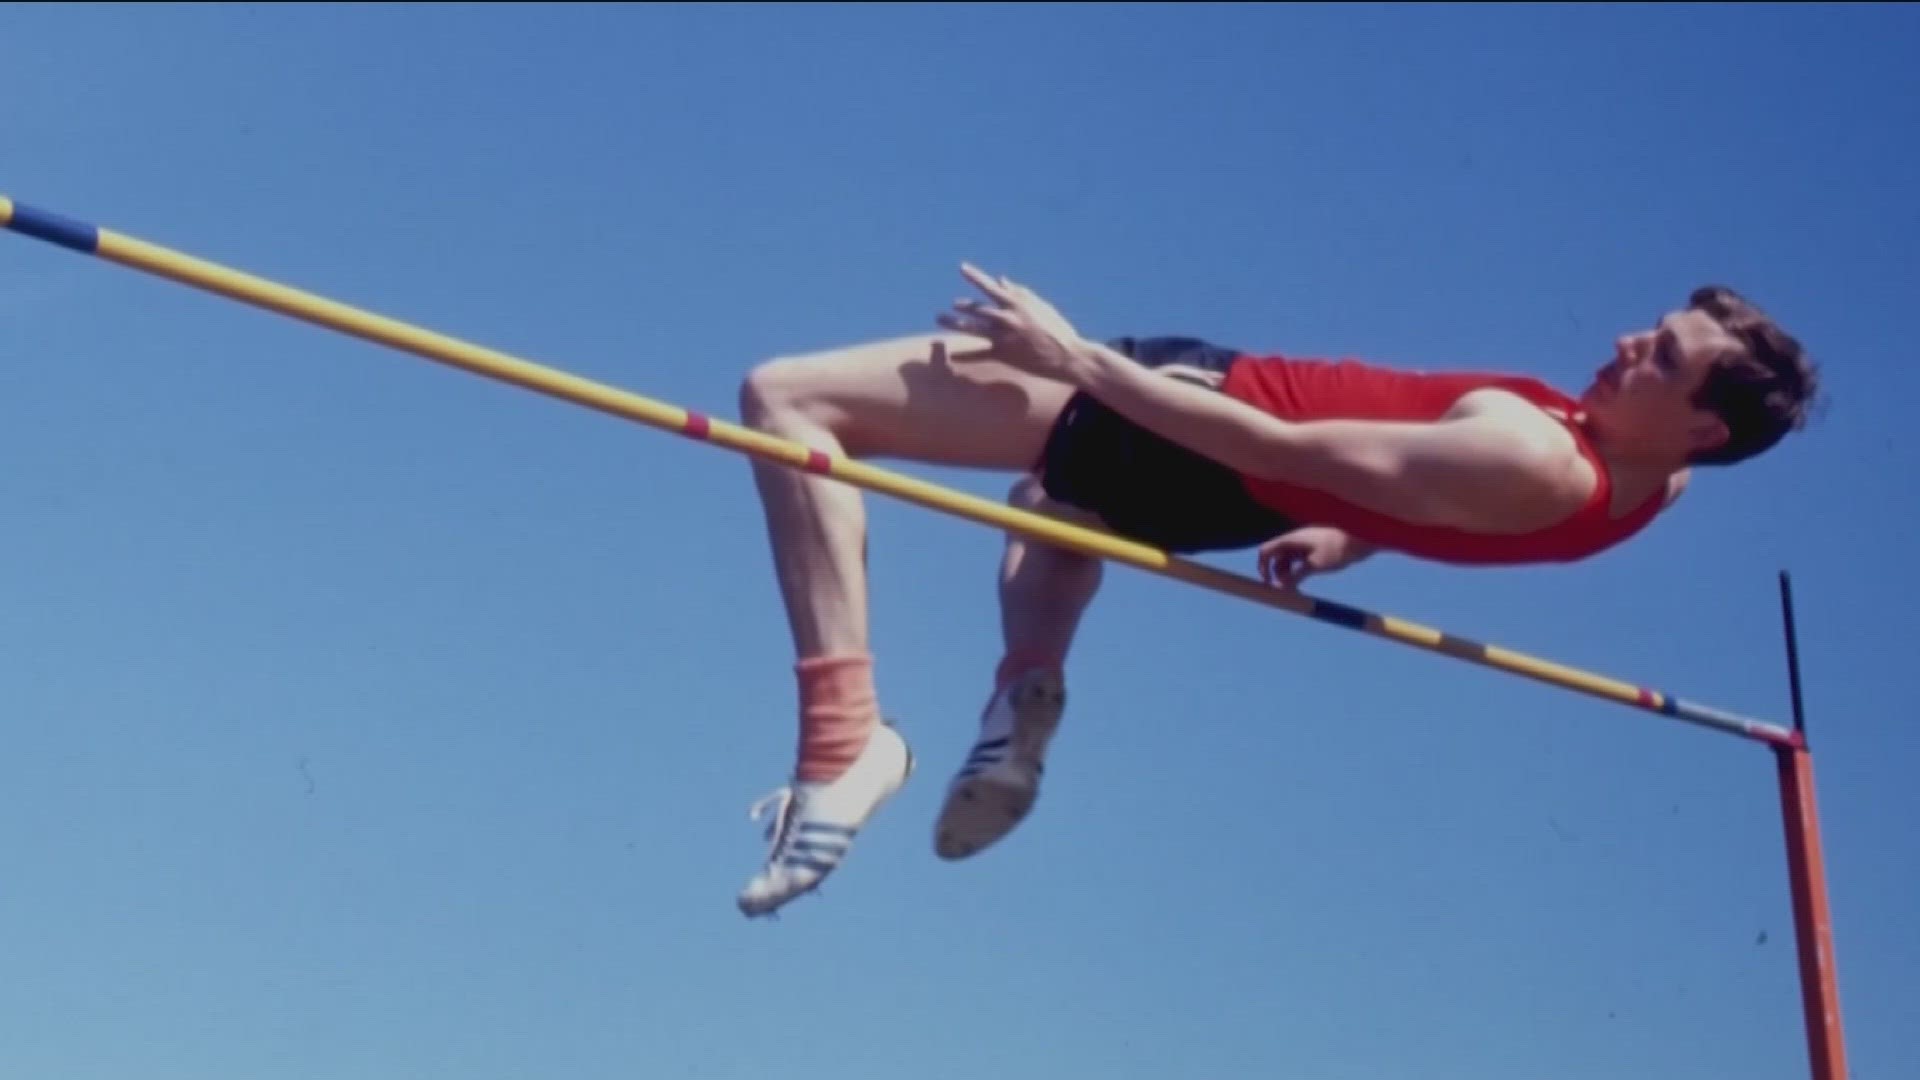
(1819, 990)
(1812, 924)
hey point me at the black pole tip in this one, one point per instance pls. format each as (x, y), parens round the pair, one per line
(1793, 653)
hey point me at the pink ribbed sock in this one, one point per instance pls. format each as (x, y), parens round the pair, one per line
(838, 711)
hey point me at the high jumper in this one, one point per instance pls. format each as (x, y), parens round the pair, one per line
(1191, 446)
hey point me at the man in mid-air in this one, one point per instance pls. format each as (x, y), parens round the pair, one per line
(1191, 447)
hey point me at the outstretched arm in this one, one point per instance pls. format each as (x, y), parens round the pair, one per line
(1495, 468)
(1487, 471)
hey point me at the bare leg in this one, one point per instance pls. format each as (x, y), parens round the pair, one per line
(885, 399)
(1044, 590)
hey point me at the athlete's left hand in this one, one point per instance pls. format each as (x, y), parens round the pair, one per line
(1286, 561)
(1020, 328)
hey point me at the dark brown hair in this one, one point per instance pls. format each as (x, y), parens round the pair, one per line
(1761, 391)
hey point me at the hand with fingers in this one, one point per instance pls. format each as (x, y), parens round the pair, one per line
(1020, 328)
(1287, 560)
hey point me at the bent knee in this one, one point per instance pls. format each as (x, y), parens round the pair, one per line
(776, 391)
(1028, 493)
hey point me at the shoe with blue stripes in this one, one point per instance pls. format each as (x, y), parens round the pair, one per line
(996, 787)
(814, 823)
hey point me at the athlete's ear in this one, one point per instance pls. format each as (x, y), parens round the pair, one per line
(1707, 432)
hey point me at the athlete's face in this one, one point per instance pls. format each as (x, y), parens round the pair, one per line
(1644, 396)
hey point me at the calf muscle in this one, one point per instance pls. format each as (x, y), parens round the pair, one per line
(886, 399)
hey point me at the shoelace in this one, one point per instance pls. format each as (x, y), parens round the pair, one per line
(779, 829)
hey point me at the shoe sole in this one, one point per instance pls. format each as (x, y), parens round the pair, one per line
(982, 810)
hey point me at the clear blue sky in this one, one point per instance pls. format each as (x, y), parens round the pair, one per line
(367, 719)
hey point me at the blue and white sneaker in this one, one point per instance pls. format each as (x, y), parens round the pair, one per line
(815, 823)
(996, 788)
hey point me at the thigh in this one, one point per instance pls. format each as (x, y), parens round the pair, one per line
(889, 399)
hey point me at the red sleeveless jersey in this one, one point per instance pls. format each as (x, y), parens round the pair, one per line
(1305, 390)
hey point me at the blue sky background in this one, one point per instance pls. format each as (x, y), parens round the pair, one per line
(367, 719)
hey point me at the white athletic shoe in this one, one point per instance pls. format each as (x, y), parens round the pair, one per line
(996, 787)
(815, 822)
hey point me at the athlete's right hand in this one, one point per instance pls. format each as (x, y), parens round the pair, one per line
(1287, 560)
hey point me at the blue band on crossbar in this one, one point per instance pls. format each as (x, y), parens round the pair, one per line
(42, 225)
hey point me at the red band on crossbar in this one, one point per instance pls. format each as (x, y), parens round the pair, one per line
(818, 462)
(697, 426)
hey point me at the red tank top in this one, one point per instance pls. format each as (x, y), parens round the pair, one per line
(1325, 390)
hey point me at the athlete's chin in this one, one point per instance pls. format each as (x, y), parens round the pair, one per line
(1604, 387)
(1601, 390)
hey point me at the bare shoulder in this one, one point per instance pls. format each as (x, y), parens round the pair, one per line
(1544, 475)
(1517, 427)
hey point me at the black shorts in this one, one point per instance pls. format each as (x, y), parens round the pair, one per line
(1143, 486)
